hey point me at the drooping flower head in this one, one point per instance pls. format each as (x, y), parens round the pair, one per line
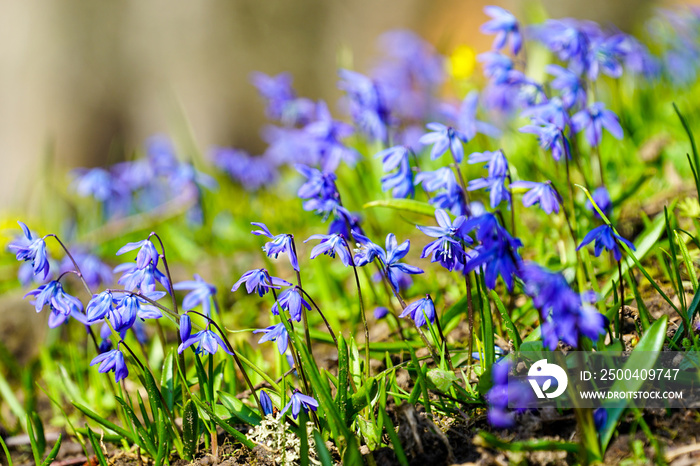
(505, 26)
(299, 401)
(540, 193)
(564, 314)
(112, 361)
(292, 301)
(266, 403)
(605, 238)
(601, 197)
(331, 245)
(443, 138)
(206, 339)
(421, 311)
(53, 295)
(276, 333)
(593, 119)
(448, 248)
(259, 280)
(201, 293)
(31, 249)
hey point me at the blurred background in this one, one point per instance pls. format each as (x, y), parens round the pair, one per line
(83, 83)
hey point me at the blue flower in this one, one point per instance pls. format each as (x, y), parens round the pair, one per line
(496, 186)
(420, 311)
(147, 253)
(497, 67)
(129, 307)
(448, 247)
(380, 312)
(318, 183)
(602, 199)
(331, 245)
(251, 172)
(345, 223)
(202, 293)
(451, 197)
(497, 254)
(465, 120)
(290, 300)
(266, 403)
(505, 394)
(367, 106)
(549, 136)
(367, 251)
(497, 163)
(400, 182)
(505, 26)
(52, 294)
(392, 157)
(144, 279)
(394, 253)
(593, 119)
(552, 111)
(112, 361)
(569, 85)
(567, 40)
(259, 280)
(31, 249)
(606, 55)
(327, 134)
(605, 238)
(539, 193)
(207, 340)
(100, 304)
(442, 138)
(563, 313)
(276, 333)
(298, 401)
(277, 90)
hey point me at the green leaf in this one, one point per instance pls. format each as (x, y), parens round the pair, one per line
(507, 321)
(341, 398)
(395, 442)
(167, 381)
(96, 446)
(441, 379)
(404, 205)
(38, 432)
(651, 341)
(239, 409)
(528, 445)
(359, 399)
(105, 423)
(190, 430)
(53, 453)
(9, 397)
(687, 261)
(7, 452)
(224, 425)
(32, 440)
(324, 456)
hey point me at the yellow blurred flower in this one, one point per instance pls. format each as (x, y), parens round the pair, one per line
(462, 62)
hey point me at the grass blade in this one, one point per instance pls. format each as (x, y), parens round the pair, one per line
(652, 341)
(404, 205)
(53, 453)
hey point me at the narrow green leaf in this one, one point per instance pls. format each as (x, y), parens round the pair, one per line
(324, 456)
(529, 445)
(404, 205)
(395, 442)
(12, 402)
(32, 440)
(239, 409)
(674, 260)
(105, 423)
(53, 453)
(507, 321)
(341, 398)
(224, 425)
(96, 446)
(190, 430)
(696, 158)
(7, 451)
(38, 432)
(651, 341)
(167, 379)
(687, 261)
